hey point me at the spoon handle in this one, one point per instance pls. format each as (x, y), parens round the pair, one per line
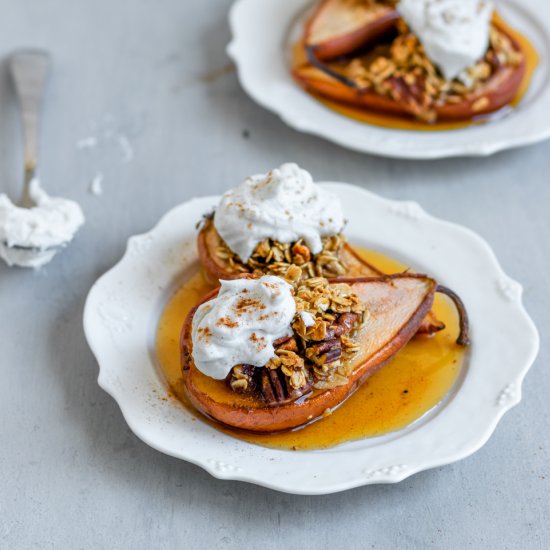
(29, 70)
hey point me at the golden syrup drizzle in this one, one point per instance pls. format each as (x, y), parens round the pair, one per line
(402, 123)
(416, 380)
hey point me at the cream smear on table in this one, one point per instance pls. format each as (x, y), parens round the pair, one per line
(30, 237)
(454, 33)
(284, 205)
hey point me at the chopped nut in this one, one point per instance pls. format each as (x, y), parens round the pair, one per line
(241, 378)
(480, 104)
(239, 385)
(300, 253)
(406, 74)
(293, 273)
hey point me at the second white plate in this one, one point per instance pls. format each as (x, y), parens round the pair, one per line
(259, 48)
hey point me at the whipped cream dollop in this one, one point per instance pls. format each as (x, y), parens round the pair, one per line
(30, 237)
(284, 205)
(454, 33)
(241, 323)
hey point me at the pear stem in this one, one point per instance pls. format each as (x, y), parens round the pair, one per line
(464, 324)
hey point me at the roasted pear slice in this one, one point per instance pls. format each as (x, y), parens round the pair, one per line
(330, 81)
(338, 27)
(217, 268)
(497, 92)
(396, 305)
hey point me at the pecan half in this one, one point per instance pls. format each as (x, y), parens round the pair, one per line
(332, 355)
(325, 352)
(323, 347)
(342, 325)
(276, 388)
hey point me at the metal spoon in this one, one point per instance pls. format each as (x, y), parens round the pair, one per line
(29, 70)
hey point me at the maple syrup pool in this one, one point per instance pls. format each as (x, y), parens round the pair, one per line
(413, 383)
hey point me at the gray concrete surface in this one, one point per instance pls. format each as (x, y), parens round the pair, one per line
(72, 475)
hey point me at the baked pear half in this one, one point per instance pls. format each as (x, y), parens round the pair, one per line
(313, 372)
(339, 27)
(365, 56)
(338, 259)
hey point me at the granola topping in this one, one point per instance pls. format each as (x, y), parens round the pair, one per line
(317, 355)
(293, 261)
(403, 71)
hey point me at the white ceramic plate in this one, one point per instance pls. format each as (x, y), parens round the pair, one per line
(124, 305)
(264, 29)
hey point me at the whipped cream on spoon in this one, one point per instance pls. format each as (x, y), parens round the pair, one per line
(32, 232)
